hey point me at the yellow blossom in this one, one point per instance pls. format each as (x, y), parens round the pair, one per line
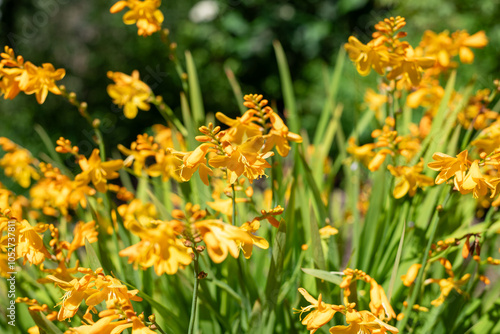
(83, 231)
(409, 179)
(244, 159)
(129, 92)
(363, 322)
(251, 228)
(18, 163)
(411, 275)
(373, 55)
(221, 238)
(159, 247)
(446, 286)
(449, 166)
(321, 312)
(97, 171)
(144, 13)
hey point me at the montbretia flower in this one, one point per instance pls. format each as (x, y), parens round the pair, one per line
(409, 179)
(446, 285)
(372, 55)
(17, 75)
(449, 166)
(159, 247)
(363, 322)
(411, 274)
(129, 92)
(321, 312)
(251, 228)
(18, 163)
(96, 171)
(145, 14)
(244, 159)
(222, 239)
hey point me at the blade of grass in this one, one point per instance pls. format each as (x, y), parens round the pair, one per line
(194, 91)
(235, 86)
(287, 88)
(330, 104)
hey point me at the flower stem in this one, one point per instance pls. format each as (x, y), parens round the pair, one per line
(194, 302)
(233, 199)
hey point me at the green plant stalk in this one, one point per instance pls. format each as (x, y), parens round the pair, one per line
(233, 200)
(418, 283)
(194, 301)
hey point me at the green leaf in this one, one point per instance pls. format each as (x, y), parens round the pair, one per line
(235, 86)
(329, 276)
(275, 275)
(46, 326)
(331, 101)
(194, 91)
(92, 256)
(287, 88)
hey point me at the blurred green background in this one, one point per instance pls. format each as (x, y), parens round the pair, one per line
(86, 40)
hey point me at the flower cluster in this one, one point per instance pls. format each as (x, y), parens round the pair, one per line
(19, 76)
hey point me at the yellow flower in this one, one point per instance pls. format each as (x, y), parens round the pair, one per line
(97, 171)
(196, 161)
(449, 166)
(379, 304)
(475, 182)
(244, 159)
(221, 238)
(328, 231)
(411, 275)
(251, 228)
(363, 322)
(321, 312)
(159, 247)
(362, 153)
(279, 136)
(240, 128)
(18, 75)
(81, 232)
(41, 80)
(145, 14)
(464, 42)
(373, 55)
(129, 92)
(30, 245)
(375, 102)
(446, 286)
(409, 65)
(18, 163)
(409, 179)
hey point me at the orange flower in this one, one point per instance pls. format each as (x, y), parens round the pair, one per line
(18, 163)
(240, 128)
(243, 160)
(373, 55)
(196, 161)
(446, 286)
(129, 92)
(363, 322)
(251, 228)
(449, 166)
(159, 247)
(81, 232)
(97, 171)
(409, 179)
(221, 238)
(30, 245)
(475, 182)
(379, 304)
(321, 312)
(411, 275)
(145, 14)
(279, 136)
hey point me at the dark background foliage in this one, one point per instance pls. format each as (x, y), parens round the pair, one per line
(86, 40)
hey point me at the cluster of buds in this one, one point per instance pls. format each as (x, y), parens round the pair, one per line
(64, 146)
